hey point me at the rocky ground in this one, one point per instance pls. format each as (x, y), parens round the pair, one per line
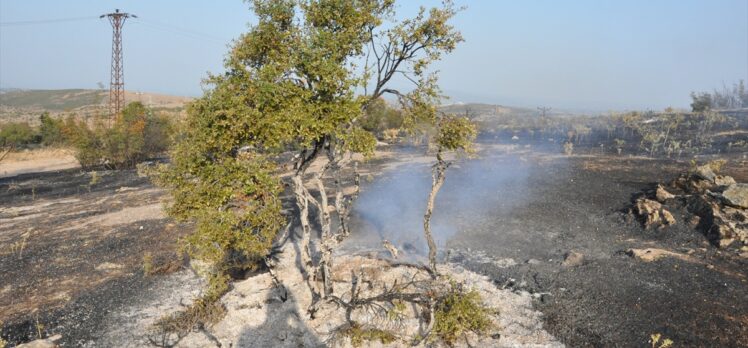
(263, 312)
(548, 233)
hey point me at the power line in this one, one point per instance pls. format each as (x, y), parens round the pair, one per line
(147, 23)
(46, 21)
(180, 31)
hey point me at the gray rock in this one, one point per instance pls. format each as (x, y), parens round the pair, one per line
(705, 172)
(725, 180)
(41, 343)
(736, 195)
(662, 194)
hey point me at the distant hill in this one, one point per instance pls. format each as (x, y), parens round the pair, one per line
(18, 104)
(491, 118)
(485, 112)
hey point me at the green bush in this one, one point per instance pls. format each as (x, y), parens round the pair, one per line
(380, 117)
(17, 134)
(359, 336)
(51, 130)
(701, 102)
(87, 143)
(135, 136)
(458, 313)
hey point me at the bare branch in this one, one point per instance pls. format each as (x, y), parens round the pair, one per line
(2, 157)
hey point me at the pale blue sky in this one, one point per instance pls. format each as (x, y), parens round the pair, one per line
(592, 54)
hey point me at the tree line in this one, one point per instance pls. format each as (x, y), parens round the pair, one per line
(135, 135)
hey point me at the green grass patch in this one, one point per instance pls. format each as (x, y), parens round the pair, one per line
(458, 313)
(360, 335)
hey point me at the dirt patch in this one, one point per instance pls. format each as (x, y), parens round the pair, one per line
(653, 254)
(34, 161)
(125, 216)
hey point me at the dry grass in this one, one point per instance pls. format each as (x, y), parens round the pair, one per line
(153, 266)
(205, 312)
(38, 160)
(39, 154)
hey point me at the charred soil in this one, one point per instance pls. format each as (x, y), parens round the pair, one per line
(551, 225)
(73, 250)
(691, 292)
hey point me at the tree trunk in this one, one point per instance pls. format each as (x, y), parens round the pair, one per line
(302, 202)
(303, 199)
(343, 204)
(339, 203)
(437, 181)
(328, 241)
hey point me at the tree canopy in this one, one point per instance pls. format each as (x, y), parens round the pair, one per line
(300, 79)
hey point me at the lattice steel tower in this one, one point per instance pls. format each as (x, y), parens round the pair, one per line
(117, 81)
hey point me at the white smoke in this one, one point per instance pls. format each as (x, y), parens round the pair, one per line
(392, 206)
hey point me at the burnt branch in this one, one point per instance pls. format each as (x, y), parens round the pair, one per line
(437, 180)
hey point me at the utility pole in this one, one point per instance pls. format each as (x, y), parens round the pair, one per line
(117, 82)
(543, 110)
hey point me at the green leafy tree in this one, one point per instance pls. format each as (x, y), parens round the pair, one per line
(453, 134)
(299, 79)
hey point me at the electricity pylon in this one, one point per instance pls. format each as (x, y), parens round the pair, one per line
(117, 82)
(544, 110)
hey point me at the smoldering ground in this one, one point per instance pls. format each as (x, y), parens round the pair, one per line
(392, 207)
(515, 221)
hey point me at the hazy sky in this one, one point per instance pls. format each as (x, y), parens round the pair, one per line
(593, 54)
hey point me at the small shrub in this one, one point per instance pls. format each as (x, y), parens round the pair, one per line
(136, 135)
(459, 312)
(359, 335)
(381, 119)
(655, 340)
(148, 264)
(701, 102)
(51, 130)
(17, 134)
(717, 165)
(153, 266)
(95, 178)
(397, 310)
(87, 143)
(39, 327)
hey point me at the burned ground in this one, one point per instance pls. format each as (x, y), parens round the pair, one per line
(84, 241)
(73, 248)
(530, 210)
(610, 298)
